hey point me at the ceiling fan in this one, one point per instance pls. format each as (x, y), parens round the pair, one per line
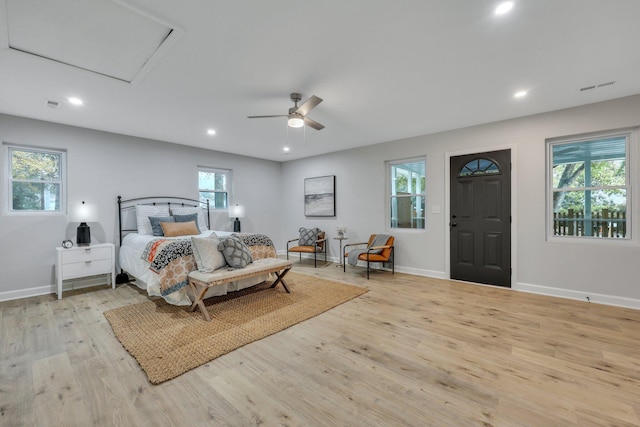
(298, 115)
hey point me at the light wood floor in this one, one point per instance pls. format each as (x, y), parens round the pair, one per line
(412, 351)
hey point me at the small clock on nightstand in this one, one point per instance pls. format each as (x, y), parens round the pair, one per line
(67, 244)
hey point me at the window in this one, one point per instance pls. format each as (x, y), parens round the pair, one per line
(213, 185)
(35, 180)
(590, 187)
(407, 193)
(479, 167)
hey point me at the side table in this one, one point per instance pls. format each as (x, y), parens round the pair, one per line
(83, 261)
(341, 254)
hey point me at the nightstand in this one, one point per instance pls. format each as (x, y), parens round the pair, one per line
(83, 261)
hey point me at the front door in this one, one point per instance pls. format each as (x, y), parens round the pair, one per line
(480, 223)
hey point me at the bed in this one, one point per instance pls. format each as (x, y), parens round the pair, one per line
(160, 264)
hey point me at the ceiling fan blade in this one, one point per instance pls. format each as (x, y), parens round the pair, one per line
(308, 105)
(263, 117)
(312, 123)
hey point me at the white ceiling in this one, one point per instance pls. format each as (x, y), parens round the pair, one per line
(385, 69)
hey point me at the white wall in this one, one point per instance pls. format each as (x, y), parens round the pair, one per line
(102, 166)
(606, 272)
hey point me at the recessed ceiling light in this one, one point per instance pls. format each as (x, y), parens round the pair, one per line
(211, 132)
(520, 94)
(504, 7)
(286, 149)
(75, 101)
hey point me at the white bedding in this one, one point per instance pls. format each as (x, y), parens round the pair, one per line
(130, 258)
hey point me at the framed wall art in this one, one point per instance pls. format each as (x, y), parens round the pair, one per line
(320, 196)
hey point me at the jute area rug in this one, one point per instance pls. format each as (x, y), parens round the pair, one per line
(168, 340)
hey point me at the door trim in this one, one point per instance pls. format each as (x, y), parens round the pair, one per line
(514, 212)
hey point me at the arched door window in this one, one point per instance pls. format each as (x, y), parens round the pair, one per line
(479, 167)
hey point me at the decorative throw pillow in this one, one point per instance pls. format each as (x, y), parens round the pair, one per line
(235, 251)
(173, 229)
(188, 210)
(143, 212)
(155, 224)
(308, 236)
(187, 218)
(205, 251)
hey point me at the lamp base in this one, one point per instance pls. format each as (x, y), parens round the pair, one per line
(236, 226)
(83, 236)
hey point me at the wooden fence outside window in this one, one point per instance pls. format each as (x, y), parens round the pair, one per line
(601, 224)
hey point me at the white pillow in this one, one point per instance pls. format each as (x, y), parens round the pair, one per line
(143, 212)
(188, 210)
(205, 251)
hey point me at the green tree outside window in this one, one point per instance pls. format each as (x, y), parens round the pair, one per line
(35, 180)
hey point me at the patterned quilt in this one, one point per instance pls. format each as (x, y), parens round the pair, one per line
(172, 259)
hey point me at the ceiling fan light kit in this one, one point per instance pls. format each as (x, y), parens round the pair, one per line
(297, 116)
(295, 121)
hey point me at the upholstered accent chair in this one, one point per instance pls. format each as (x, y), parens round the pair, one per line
(310, 241)
(379, 248)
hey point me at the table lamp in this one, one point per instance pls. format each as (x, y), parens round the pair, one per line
(236, 212)
(83, 213)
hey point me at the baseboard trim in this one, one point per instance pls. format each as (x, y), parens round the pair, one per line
(75, 284)
(420, 272)
(579, 295)
(26, 293)
(521, 287)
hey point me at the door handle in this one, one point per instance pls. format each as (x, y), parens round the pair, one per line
(454, 224)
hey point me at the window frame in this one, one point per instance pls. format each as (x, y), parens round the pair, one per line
(229, 179)
(390, 188)
(7, 150)
(630, 135)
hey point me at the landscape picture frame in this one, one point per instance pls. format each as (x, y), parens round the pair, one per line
(320, 196)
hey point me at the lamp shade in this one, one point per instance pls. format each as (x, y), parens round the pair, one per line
(83, 212)
(236, 211)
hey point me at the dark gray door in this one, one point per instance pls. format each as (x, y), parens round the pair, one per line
(480, 223)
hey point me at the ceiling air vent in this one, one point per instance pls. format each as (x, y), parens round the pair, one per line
(52, 104)
(582, 89)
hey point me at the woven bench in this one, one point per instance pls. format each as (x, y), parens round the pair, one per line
(200, 282)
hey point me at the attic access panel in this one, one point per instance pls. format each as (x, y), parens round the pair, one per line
(106, 37)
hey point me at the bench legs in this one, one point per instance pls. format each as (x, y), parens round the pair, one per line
(198, 302)
(280, 279)
(199, 294)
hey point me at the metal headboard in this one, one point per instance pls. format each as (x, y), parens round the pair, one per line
(130, 204)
